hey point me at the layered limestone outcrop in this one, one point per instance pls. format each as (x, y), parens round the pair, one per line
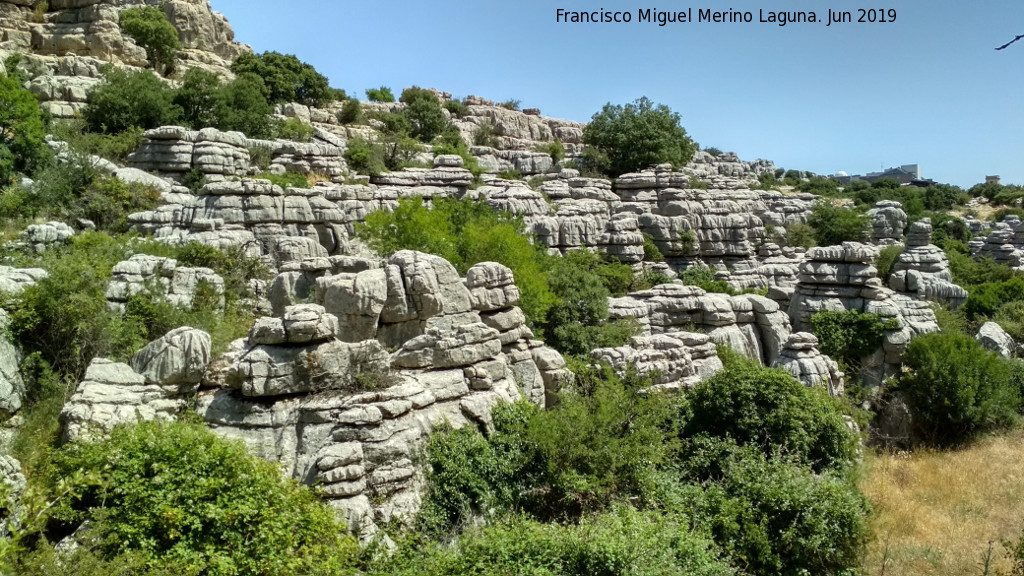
(343, 391)
(67, 44)
(752, 325)
(12, 388)
(923, 269)
(801, 358)
(838, 278)
(160, 382)
(163, 278)
(888, 220)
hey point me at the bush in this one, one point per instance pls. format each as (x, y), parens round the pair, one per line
(152, 31)
(126, 100)
(772, 410)
(834, 225)
(510, 105)
(108, 202)
(486, 135)
(638, 135)
(957, 389)
(363, 157)
(772, 516)
(801, 235)
(554, 149)
(351, 113)
(456, 108)
(285, 78)
(22, 132)
(113, 147)
(704, 278)
(651, 251)
(623, 542)
(423, 110)
(296, 130)
(241, 106)
(849, 335)
(178, 494)
(887, 258)
(287, 180)
(382, 94)
(197, 98)
(983, 300)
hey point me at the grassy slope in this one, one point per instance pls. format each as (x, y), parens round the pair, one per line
(935, 512)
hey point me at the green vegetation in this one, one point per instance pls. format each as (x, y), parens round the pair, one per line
(76, 189)
(238, 105)
(351, 113)
(849, 335)
(65, 317)
(834, 225)
(564, 299)
(151, 30)
(887, 258)
(382, 94)
(651, 251)
(751, 466)
(637, 135)
(178, 497)
(22, 131)
(957, 389)
(129, 100)
(296, 130)
(285, 78)
(423, 110)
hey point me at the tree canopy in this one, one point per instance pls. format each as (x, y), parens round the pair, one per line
(286, 78)
(637, 135)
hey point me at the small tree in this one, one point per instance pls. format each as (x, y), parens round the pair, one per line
(834, 225)
(382, 94)
(638, 135)
(286, 78)
(424, 113)
(22, 131)
(130, 100)
(151, 30)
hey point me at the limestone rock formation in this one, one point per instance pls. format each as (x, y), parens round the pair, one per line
(887, 223)
(13, 281)
(993, 337)
(179, 358)
(843, 277)
(317, 389)
(676, 359)
(110, 394)
(801, 358)
(923, 268)
(179, 285)
(12, 389)
(39, 237)
(749, 324)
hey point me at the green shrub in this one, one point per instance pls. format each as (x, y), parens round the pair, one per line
(957, 389)
(351, 113)
(287, 180)
(697, 183)
(983, 300)
(510, 105)
(423, 109)
(704, 278)
(511, 175)
(22, 132)
(623, 542)
(285, 78)
(126, 100)
(457, 108)
(554, 149)
(651, 251)
(197, 98)
(801, 235)
(295, 129)
(887, 258)
(770, 409)
(114, 147)
(178, 494)
(364, 157)
(382, 94)
(194, 180)
(108, 202)
(260, 157)
(849, 335)
(834, 225)
(152, 31)
(772, 516)
(638, 135)
(241, 106)
(486, 135)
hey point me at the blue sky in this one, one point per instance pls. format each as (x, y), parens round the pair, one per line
(928, 88)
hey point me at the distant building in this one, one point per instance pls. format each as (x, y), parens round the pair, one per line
(992, 179)
(905, 174)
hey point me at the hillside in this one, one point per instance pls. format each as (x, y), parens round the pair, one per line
(458, 321)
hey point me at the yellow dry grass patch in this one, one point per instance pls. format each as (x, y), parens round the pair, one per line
(935, 512)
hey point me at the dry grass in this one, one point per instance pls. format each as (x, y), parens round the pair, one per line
(314, 178)
(935, 512)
